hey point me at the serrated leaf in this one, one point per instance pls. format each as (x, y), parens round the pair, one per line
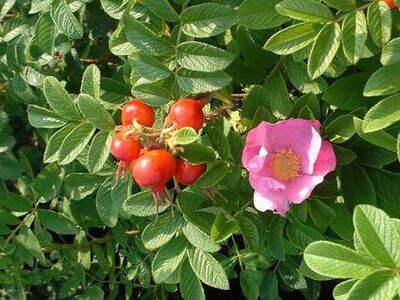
(278, 96)
(168, 259)
(162, 9)
(152, 93)
(259, 14)
(74, 143)
(81, 185)
(142, 205)
(49, 181)
(65, 20)
(183, 136)
(378, 234)
(214, 174)
(15, 202)
(114, 8)
(380, 284)
(91, 82)
(161, 230)
(45, 33)
(55, 142)
(99, 151)
(6, 142)
(249, 230)
(92, 110)
(208, 269)
(293, 38)
(148, 67)
(341, 291)
(190, 285)
(40, 117)
(107, 209)
(391, 52)
(197, 153)
(143, 38)
(379, 19)
(305, 10)
(199, 82)
(380, 84)
(30, 242)
(250, 281)
(208, 19)
(324, 50)
(334, 260)
(345, 5)
(202, 57)
(383, 114)
(10, 168)
(354, 36)
(222, 228)
(56, 222)
(59, 99)
(275, 238)
(199, 239)
(219, 142)
(340, 129)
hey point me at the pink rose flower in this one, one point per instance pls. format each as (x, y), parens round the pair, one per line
(286, 161)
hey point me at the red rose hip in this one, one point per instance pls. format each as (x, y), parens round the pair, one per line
(187, 174)
(124, 147)
(186, 113)
(138, 111)
(390, 3)
(153, 169)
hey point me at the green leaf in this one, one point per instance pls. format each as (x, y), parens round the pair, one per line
(275, 238)
(250, 281)
(152, 93)
(223, 228)
(259, 14)
(161, 230)
(162, 9)
(99, 151)
(55, 141)
(199, 82)
(398, 146)
(379, 138)
(278, 96)
(356, 186)
(219, 142)
(208, 269)
(142, 204)
(197, 153)
(81, 185)
(91, 82)
(190, 285)
(30, 242)
(92, 110)
(65, 20)
(379, 19)
(334, 260)
(391, 52)
(380, 84)
(148, 67)
(15, 202)
(324, 50)
(380, 284)
(168, 259)
(49, 181)
(107, 209)
(340, 129)
(40, 117)
(199, 239)
(10, 168)
(378, 234)
(208, 19)
(74, 143)
(56, 222)
(347, 92)
(354, 28)
(119, 44)
(305, 10)
(292, 38)
(269, 287)
(249, 230)
(114, 8)
(183, 136)
(45, 33)
(202, 57)
(301, 235)
(387, 185)
(383, 114)
(143, 38)
(6, 142)
(341, 291)
(214, 174)
(236, 146)
(59, 99)
(345, 5)
(255, 99)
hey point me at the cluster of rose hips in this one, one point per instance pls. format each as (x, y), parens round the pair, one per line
(138, 149)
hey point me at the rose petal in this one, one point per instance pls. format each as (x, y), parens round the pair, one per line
(326, 161)
(276, 202)
(300, 136)
(301, 189)
(265, 184)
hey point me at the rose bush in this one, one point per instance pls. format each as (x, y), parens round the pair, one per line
(199, 149)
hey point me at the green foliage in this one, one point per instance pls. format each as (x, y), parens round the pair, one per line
(73, 223)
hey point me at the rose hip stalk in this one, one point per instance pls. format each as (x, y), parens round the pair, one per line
(138, 111)
(152, 170)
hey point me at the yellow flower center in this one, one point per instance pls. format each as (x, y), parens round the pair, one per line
(285, 165)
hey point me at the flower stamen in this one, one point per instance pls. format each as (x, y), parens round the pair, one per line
(286, 165)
